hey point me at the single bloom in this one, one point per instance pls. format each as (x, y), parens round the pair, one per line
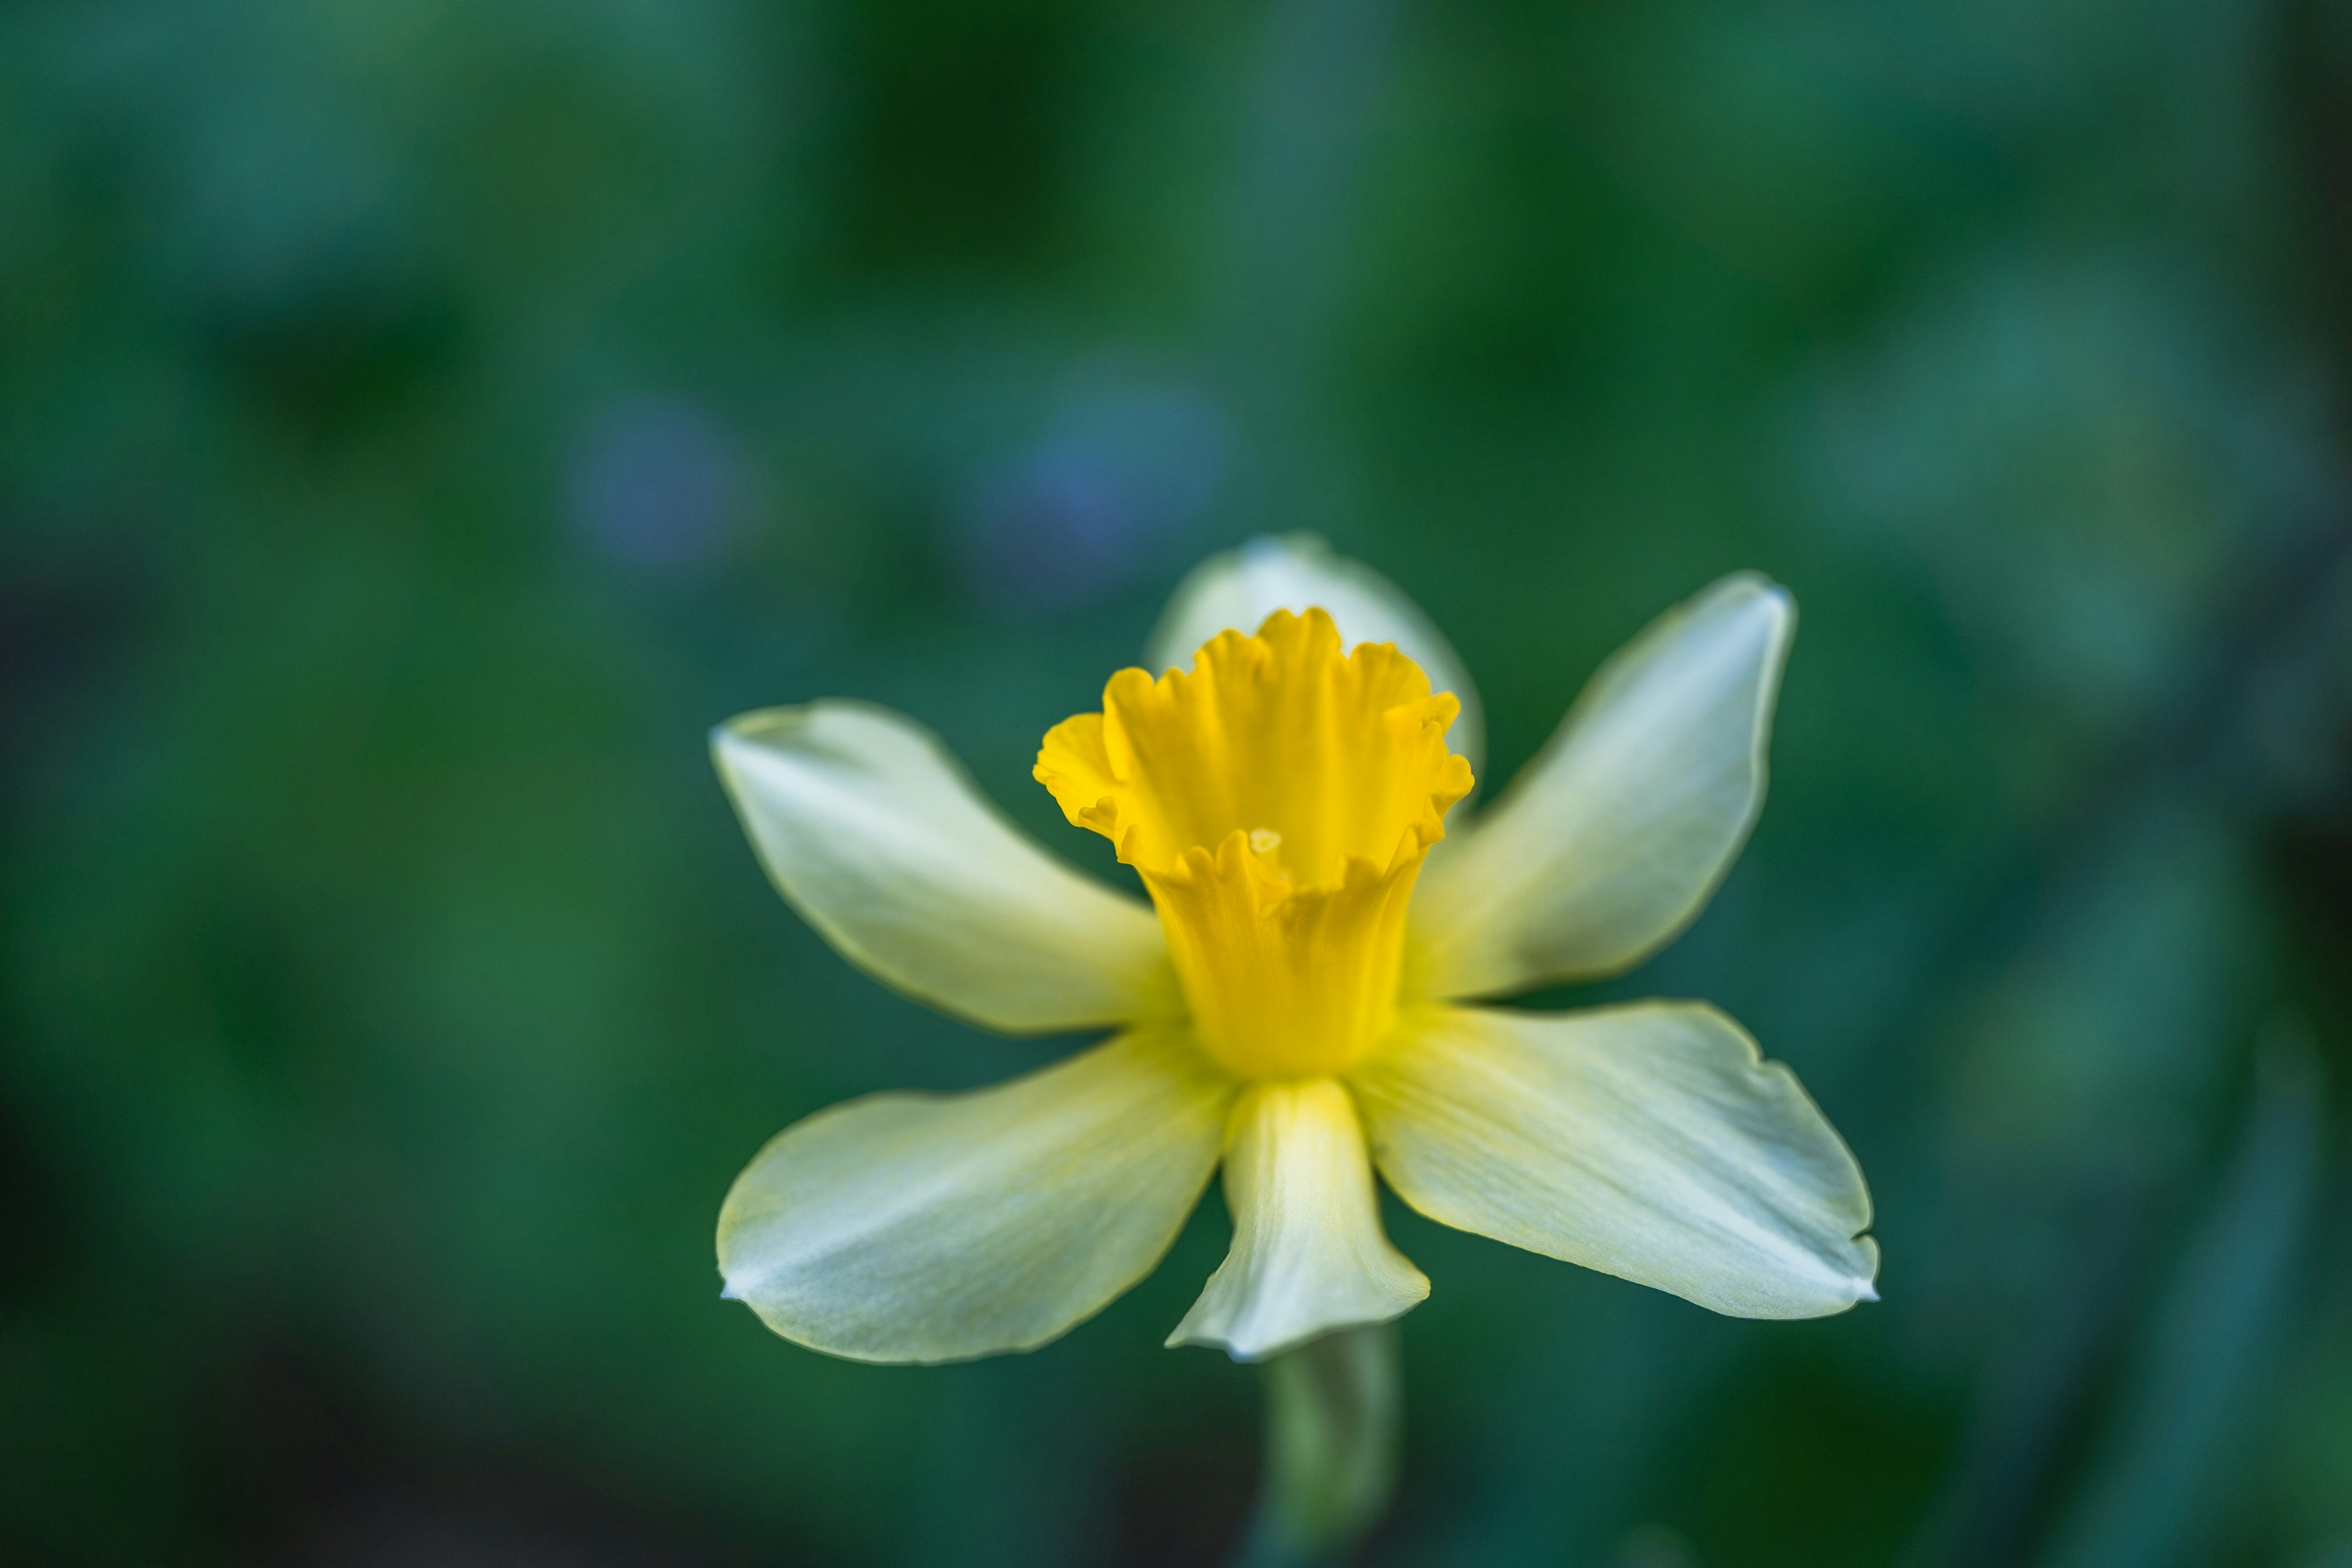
(1305, 997)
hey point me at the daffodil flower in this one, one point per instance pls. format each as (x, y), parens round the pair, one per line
(1304, 997)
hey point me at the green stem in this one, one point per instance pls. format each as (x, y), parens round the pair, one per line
(1334, 1410)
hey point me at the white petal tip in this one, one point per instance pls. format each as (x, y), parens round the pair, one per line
(728, 1292)
(1186, 1337)
(1268, 547)
(1863, 1290)
(1180, 1340)
(1264, 1350)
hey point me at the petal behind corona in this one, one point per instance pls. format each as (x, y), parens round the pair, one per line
(1650, 1142)
(1277, 801)
(1237, 590)
(914, 1227)
(1309, 1253)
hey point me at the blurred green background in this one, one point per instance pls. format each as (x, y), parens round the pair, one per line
(420, 421)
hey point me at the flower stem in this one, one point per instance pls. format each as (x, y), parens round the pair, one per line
(1334, 1410)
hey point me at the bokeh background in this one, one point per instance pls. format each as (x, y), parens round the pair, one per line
(420, 421)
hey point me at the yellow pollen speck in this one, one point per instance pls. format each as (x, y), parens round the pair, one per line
(1272, 742)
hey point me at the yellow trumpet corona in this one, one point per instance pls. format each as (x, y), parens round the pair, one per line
(1277, 801)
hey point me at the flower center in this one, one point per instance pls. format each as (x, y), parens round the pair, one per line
(1278, 802)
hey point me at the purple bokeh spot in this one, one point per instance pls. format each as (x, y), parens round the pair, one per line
(656, 483)
(1124, 464)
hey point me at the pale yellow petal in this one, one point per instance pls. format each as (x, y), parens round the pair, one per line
(1309, 1253)
(1237, 590)
(882, 843)
(1611, 841)
(1651, 1141)
(915, 1227)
